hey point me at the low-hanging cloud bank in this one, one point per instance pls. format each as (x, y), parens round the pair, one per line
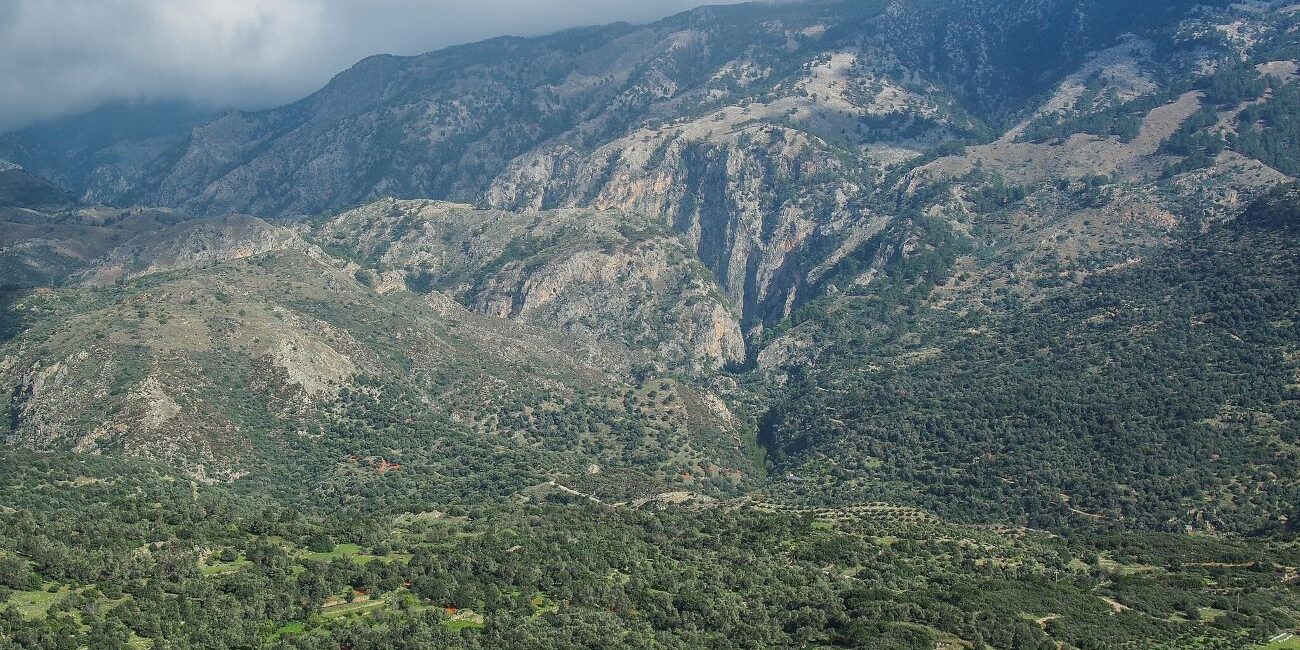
(63, 56)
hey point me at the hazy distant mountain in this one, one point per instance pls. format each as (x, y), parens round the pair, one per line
(100, 153)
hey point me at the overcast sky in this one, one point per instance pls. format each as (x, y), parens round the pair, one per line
(63, 56)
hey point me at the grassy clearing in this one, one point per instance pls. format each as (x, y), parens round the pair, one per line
(1210, 614)
(341, 550)
(465, 618)
(33, 604)
(221, 568)
(542, 604)
(296, 627)
(352, 552)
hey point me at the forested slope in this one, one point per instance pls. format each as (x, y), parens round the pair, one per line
(1162, 394)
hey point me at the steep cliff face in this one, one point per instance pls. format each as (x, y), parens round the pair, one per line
(614, 276)
(722, 196)
(754, 186)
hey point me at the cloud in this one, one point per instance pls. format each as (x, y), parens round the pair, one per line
(63, 56)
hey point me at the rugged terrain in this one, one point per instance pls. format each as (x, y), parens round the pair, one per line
(761, 133)
(224, 344)
(615, 276)
(962, 323)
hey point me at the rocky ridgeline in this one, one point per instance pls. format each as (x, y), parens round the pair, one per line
(618, 277)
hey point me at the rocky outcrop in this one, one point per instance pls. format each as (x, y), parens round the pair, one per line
(749, 201)
(618, 277)
(762, 185)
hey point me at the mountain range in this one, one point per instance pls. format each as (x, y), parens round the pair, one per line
(986, 304)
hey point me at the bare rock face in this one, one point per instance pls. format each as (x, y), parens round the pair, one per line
(761, 185)
(614, 276)
(720, 192)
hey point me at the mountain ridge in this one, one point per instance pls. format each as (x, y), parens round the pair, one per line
(582, 90)
(918, 325)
